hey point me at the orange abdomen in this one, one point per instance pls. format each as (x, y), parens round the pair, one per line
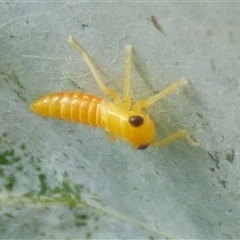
(71, 106)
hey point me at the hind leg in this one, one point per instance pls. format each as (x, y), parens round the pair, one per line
(107, 91)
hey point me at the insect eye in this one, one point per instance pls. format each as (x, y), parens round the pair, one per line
(142, 147)
(136, 121)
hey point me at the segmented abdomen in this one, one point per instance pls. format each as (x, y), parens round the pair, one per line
(71, 106)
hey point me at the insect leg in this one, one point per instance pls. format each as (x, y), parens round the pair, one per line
(175, 136)
(127, 80)
(108, 92)
(145, 103)
(111, 137)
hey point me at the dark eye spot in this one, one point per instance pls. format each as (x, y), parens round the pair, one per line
(136, 121)
(142, 147)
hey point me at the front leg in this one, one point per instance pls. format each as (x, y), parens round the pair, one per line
(175, 136)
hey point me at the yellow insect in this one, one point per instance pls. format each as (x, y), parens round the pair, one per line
(118, 118)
